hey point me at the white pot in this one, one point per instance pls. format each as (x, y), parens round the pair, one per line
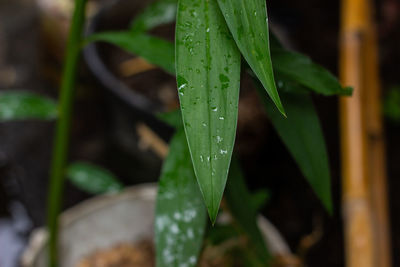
(106, 220)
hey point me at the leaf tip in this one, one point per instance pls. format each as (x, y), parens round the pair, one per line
(278, 103)
(282, 110)
(213, 217)
(213, 213)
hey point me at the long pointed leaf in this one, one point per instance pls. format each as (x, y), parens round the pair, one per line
(247, 20)
(208, 70)
(301, 69)
(155, 50)
(180, 213)
(302, 134)
(20, 105)
(157, 13)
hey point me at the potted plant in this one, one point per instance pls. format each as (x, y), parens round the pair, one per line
(210, 40)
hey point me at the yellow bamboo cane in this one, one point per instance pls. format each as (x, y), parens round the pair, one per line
(355, 196)
(364, 181)
(375, 145)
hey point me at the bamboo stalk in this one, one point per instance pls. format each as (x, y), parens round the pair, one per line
(376, 146)
(363, 154)
(355, 191)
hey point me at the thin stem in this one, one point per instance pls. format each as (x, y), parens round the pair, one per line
(61, 140)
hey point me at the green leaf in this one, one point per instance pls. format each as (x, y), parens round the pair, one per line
(208, 77)
(240, 202)
(157, 13)
(22, 105)
(93, 179)
(301, 69)
(302, 134)
(180, 212)
(247, 20)
(155, 50)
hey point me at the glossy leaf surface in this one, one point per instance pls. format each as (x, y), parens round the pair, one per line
(93, 179)
(248, 23)
(20, 105)
(208, 73)
(155, 50)
(157, 13)
(302, 134)
(301, 69)
(240, 202)
(181, 215)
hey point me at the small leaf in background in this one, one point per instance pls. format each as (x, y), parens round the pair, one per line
(301, 69)
(157, 13)
(208, 77)
(92, 179)
(302, 134)
(287, 85)
(181, 216)
(391, 105)
(240, 202)
(21, 105)
(247, 20)
(154, 50)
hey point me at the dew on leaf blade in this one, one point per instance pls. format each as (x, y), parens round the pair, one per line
(214, 55)
(174, 229)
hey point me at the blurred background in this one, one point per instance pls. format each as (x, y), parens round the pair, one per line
(32, 39)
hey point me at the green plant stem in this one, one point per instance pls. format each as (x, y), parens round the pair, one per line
(61, 141)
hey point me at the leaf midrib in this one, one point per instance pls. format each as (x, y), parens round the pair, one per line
(208, 63)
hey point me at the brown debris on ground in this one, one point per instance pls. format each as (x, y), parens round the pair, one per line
(122, 255)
